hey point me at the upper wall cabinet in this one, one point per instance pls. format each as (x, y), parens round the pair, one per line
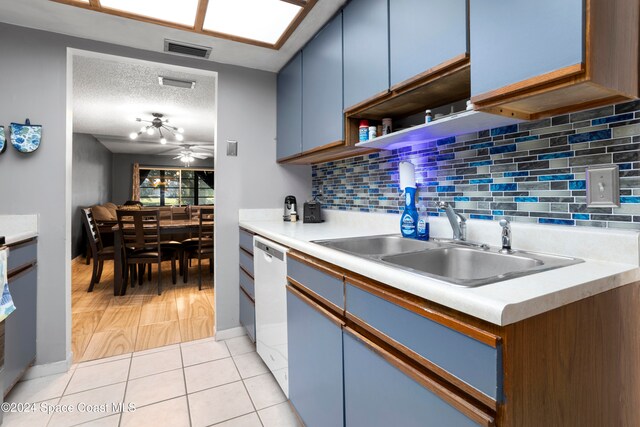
(537, 59)
(322, 118)
(425, 34)
(366, 50)
(289, 106)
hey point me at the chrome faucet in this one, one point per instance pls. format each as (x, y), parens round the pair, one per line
(458, 222)
(506, 236)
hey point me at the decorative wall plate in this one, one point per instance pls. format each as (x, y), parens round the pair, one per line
(3, 140)
(26, 137)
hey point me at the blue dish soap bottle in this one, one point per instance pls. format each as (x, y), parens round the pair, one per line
(423, 224)
(409, 217)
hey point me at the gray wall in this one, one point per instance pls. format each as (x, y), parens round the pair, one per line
(91, 182)
(34, 85)
(123, 170)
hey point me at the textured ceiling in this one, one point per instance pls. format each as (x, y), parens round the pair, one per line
(74, 21)
(108, 95)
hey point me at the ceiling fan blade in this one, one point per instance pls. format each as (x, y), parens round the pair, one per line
(200, 156)
(177, 157)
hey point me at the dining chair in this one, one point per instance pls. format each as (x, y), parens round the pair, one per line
(99, 252)
(140, 237)
(203, 247)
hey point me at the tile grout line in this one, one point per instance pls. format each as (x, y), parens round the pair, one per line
(243, 384)
(124, 396)
(186, 391)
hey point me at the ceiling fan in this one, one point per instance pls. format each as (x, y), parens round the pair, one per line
(187, 155)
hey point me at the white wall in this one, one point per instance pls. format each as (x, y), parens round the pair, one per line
(33, 84)
(91, 184)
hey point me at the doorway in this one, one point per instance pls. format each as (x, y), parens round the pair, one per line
(122, 160)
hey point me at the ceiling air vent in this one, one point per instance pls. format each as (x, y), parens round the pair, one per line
(168, 81)
(186, 49)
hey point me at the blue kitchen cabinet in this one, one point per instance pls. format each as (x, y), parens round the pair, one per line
(424, 34)
(246, 288)
(289, 107)
(461, 356)
(248, 314)
(366, 50)
(322, 118)
(20, 327)
(378, 392)
(516, 40)
(315, 362)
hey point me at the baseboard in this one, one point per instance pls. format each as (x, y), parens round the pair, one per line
(226, 334)
(45, 370)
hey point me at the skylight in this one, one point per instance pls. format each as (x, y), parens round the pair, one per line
(261, 20)
(180, 12)
(266, 23)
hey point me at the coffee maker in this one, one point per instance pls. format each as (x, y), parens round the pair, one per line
(290, 206)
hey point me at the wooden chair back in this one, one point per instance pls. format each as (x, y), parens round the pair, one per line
(206, 223)
(139, 230)
(93, 233)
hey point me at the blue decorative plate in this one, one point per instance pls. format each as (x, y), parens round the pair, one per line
(3, 140)
(26, 137)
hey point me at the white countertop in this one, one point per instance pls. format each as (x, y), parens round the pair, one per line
(612, 259)
(16, 228)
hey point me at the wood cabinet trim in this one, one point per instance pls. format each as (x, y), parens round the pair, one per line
(432, 73)
(522, 88)
(318, 265)
(324, 147)
(246, 251)
(247, 273)
(247, 230)
(20, 271)
(246, 294)
(443, 393)
(396, 297)
(21, 243)
(315, 296)
(294, 288)
(367, 102)
(429, 365)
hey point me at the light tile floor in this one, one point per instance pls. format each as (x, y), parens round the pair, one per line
(198, 383)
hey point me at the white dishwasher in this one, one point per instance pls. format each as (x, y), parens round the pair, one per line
(270, 270)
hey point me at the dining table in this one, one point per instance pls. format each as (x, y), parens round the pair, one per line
(167, 227)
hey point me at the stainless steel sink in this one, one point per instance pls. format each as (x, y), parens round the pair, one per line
(460, 263)
(377, 245)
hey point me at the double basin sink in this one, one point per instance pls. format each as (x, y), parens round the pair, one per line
(459, 263)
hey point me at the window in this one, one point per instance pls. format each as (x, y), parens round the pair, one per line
(174, 187)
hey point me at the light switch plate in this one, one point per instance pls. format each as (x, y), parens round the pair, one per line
(232, 148)
(603, 186)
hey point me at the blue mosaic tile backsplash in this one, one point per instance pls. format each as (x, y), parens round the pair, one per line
(533, 171)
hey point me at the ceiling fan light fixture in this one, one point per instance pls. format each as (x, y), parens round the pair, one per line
(150, 131)
(179, 137)
(163, 140)
(180, 130)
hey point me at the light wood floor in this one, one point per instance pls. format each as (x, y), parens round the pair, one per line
(104, 325)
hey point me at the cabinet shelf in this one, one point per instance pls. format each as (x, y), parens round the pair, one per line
(452, 125)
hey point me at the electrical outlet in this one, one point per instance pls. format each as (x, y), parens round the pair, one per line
(603, 186)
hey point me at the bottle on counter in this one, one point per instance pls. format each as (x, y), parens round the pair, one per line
(428, 117)
(363, 131)
(423, 223)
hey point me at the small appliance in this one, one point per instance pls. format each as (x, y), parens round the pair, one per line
(312, 211)
(290, 206)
